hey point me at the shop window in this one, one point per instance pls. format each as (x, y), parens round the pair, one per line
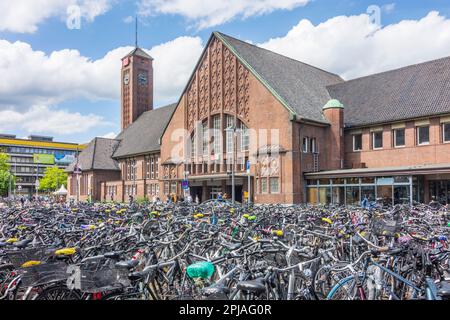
(338, 195)
(385, 194)
(368, 180)
(325, 195)
(312, 196)
(338, 181)
(353, 181)
(401, 195)
(352, 195)
(368, 192)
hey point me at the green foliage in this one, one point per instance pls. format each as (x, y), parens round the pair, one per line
(53, 179)
(142, 200)
(4, 165)
(6, 177)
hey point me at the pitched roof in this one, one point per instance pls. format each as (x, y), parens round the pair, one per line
(143, 135)
(300, 86)
(97, 156)
(411, 92)
(139, 52)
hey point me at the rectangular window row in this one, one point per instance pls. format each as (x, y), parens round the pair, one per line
(399, 137)
(268, 185)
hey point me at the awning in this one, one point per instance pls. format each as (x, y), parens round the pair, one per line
(220, 176)
(371, 172)
(61, 192)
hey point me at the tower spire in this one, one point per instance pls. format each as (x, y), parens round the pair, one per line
(136, 29)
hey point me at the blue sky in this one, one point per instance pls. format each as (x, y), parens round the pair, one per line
(83, 94)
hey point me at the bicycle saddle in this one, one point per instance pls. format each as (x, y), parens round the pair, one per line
(231, 246)
(22, 244)
(129, 264)
(115, 255)
(255, 286)
(216, 292)
(444, 290)
(215, 289)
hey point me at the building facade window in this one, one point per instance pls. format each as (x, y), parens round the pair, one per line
(245, 138)
(152, 168)
(399, 138)
(305, 144)
(205, 138)
(446, 132)
(377, 140)
(216, 135)
(166, 188)
(423, 135)
(229, 123)
(357, 142)
(274, 185)
(314, 145)
(264, 185)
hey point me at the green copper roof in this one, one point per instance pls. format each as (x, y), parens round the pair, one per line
(333, 103)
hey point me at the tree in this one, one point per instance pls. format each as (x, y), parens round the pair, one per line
(6, 177)
(53, 179)
(4, 164)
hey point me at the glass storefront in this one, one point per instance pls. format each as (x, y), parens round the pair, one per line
(338, 196)
(385, 190)
(440, 191)
(325, 195)
(352, 194)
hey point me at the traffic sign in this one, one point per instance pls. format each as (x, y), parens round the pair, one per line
(37, 183)
(248, 166)
(185, 185)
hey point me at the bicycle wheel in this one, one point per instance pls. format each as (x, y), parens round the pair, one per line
(58, 292)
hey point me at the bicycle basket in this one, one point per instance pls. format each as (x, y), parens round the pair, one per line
(387, 228)
(43, 274)
(19, 257)
(100, 280)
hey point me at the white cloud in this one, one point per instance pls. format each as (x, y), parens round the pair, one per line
(389, 8)
(353, 47)
(24, 16)
(128, 20)
(174, 62)
(110, 135)
(42, 119)
(209, 13)
(35, 78)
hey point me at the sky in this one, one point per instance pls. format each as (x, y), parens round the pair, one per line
(60, 59)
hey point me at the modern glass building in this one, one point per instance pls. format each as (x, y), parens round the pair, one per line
(30, 157)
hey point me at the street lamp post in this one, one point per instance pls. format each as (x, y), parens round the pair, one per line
(232, 129)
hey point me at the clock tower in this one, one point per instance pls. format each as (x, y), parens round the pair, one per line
(137, 86)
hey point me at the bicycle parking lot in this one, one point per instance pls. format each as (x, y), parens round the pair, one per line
(218, 251)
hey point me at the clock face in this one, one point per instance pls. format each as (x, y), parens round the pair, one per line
(126, 78)
(143, 79)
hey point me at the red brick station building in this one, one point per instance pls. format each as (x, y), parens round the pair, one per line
(309, 135)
